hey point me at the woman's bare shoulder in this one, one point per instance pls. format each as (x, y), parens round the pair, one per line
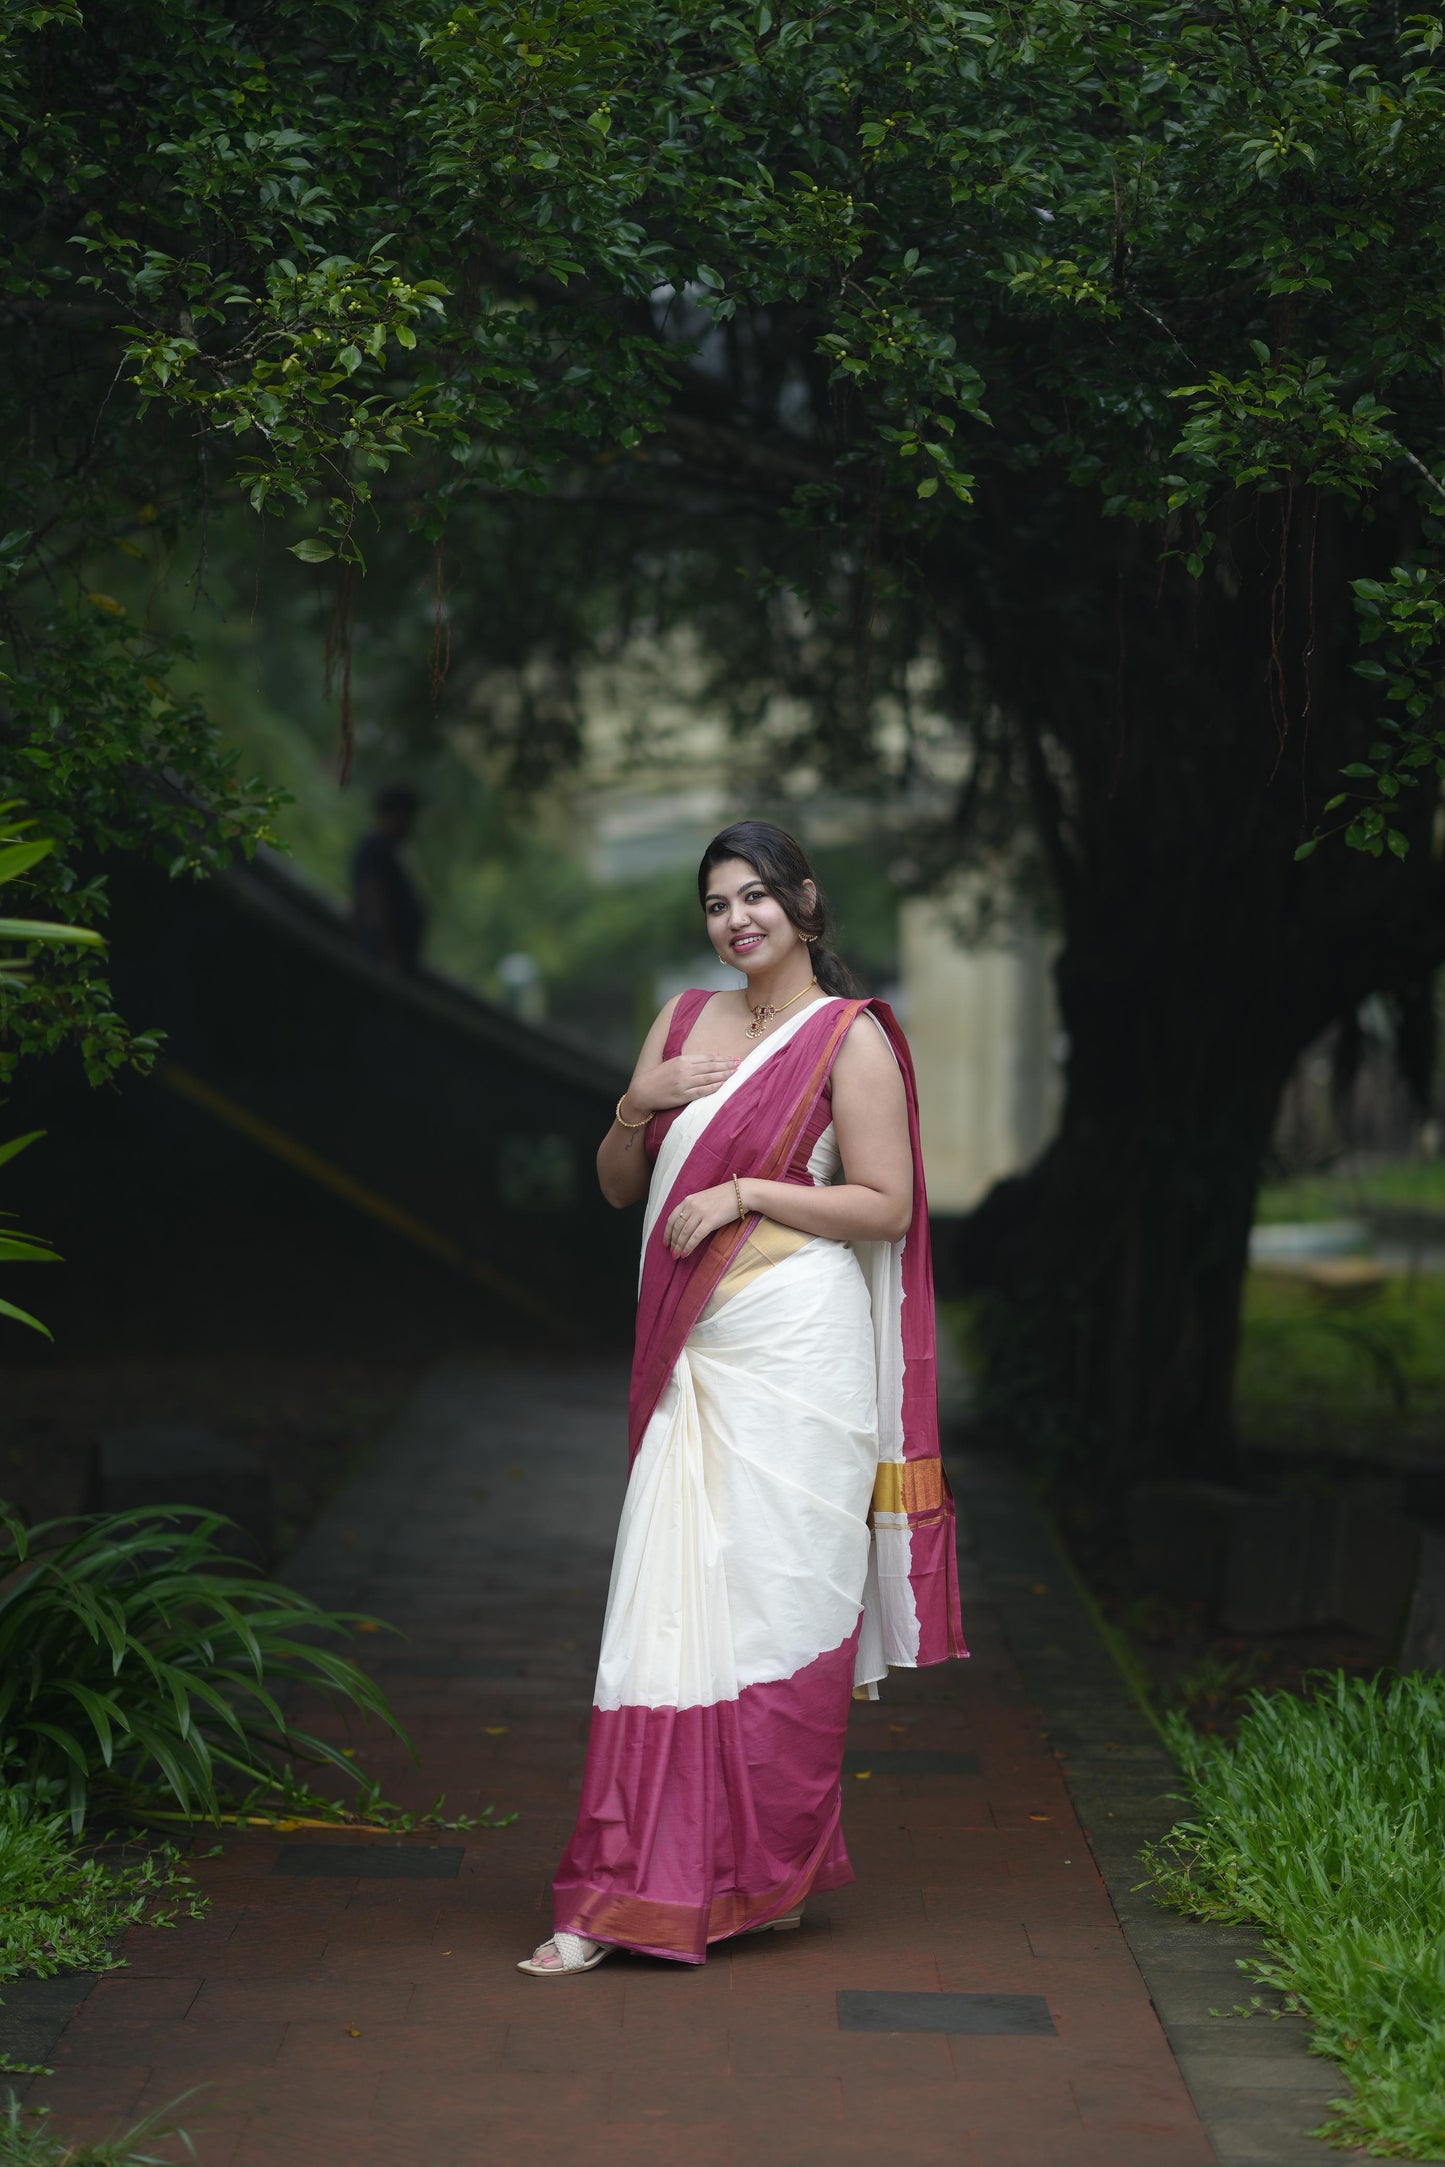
(866, 1056)
(657, 1030)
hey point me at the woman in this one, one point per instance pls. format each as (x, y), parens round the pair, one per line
(788, 1532)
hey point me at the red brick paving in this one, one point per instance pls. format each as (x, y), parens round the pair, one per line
(334, 2023)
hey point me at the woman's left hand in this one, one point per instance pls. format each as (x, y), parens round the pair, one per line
(691, 1221)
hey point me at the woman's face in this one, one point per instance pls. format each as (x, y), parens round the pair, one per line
(747, 926)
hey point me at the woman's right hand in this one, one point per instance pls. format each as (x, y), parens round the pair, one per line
(677, 1082)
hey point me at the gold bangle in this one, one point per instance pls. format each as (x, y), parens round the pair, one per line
(642, 1124)
(737, 1192)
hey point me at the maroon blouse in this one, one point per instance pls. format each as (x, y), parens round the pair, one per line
(690, 1006)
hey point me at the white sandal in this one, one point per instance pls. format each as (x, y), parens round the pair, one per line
(572, 1949)
(778, 1926)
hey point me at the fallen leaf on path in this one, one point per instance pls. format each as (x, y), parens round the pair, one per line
(861, 1775)
(495, 1730)
(1041, 1817)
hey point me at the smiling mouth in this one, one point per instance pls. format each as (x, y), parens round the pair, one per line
(744, 941)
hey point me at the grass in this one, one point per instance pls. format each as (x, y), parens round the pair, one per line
(1344, 1380)
(63, 1908)
(1323, 1824)
(1417, 1185)
(26, 2140)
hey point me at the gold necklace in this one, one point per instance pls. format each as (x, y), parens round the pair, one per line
(763, 1016)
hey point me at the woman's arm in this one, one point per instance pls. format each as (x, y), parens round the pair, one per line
(875, 1200)
(623, 1167)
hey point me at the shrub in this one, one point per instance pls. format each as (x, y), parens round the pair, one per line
(135, 1655)
(1323, 1823)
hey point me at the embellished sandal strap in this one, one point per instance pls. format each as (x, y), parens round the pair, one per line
(573, 1950)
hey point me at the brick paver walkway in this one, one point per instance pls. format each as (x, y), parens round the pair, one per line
(343, 2021)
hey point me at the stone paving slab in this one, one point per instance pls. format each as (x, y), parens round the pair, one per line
(363, 2022)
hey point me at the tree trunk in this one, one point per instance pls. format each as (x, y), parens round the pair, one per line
(1173, 734)
(1114, 1267)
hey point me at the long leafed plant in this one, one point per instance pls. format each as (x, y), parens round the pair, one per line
(136, 1658)
(1323, 1824)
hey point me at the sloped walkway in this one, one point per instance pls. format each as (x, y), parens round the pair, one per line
(371, 2016)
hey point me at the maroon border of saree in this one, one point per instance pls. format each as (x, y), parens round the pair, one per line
(676, 1290)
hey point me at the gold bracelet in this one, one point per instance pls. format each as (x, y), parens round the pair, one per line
(737, 1192)
(642, 1124)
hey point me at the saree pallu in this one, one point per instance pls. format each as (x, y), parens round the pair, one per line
(787, 1534)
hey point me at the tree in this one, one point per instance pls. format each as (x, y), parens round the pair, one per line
(1093, 352)
(29, 935)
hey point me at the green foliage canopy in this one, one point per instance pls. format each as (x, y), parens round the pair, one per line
(903, 271)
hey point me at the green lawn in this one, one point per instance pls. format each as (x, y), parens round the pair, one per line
(1348, 1379)
(1416, 1186)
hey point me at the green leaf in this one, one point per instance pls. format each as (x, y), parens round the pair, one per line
(23, 1316)
(312, 552)
(36, 929)
(1399, 844)
(1307, 850)
(18, 858)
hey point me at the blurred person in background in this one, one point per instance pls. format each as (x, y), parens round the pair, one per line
(387, 913)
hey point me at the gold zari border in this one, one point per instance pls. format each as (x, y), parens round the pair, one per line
(909, 1486)
(766, 1246)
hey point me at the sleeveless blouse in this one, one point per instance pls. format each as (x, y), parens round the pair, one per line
(816, 1159)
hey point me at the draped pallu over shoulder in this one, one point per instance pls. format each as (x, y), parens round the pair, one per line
(787, 1532)
(753, 1127)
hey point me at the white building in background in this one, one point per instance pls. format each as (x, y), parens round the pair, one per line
(987, 1045)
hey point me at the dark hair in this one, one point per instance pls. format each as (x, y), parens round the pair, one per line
(783, 869)
(395, 798)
